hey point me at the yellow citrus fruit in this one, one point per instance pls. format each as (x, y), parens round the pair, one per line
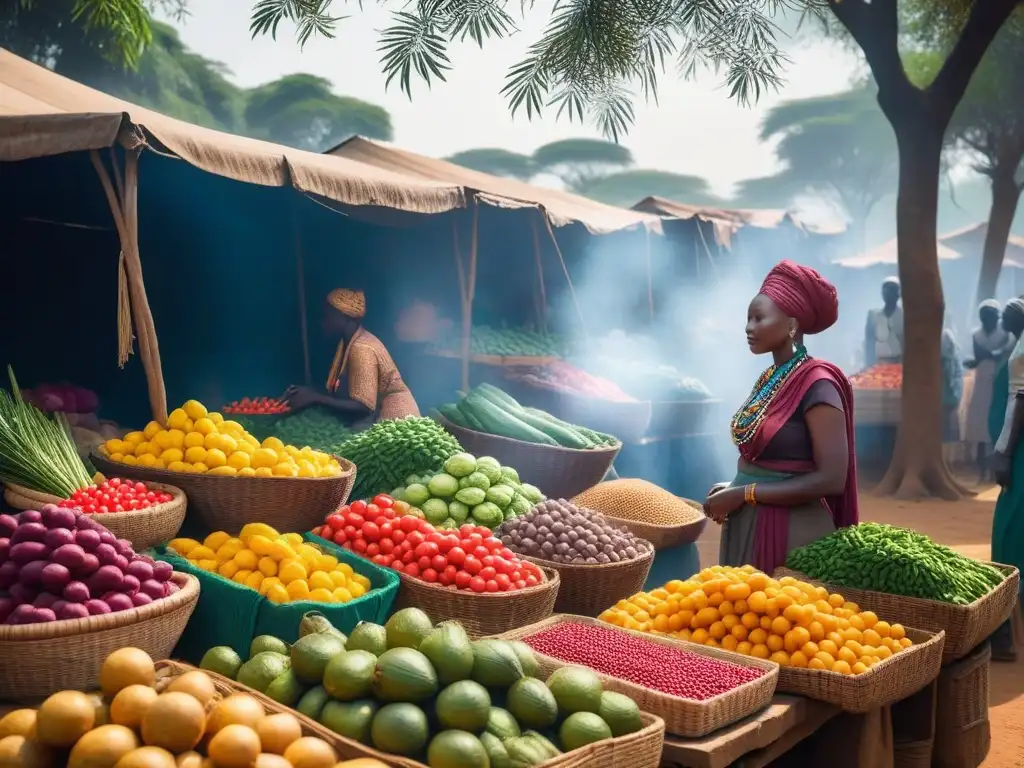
(193, 440)
(254, 580)
(228, 444)
(215, 458)
(264, 457)
(177, 419)
(241, 577)
(247, 472)
(239, 460)
(228, 569)
(277, 593)
(194, 410)
(321, 596)
(146, 460)
(216, 540)
(246, 558)
(224, 470)
(200, 468)
(195, 455)
(268, 566)
(264, 472)
(134, 438)
(285, 470)
(341, 595)
(293, 571)
(205, 427)
(273, 443)
(171, 455)
(178, 466)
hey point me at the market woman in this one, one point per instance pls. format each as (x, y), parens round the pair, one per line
(375, 388)
(797, 477)
(1008, 465)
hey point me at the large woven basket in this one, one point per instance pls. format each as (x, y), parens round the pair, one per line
(963, 734)
(665, 536)
(558, 472)
(683, 717)
(228, 503)
(40, 659)
(144, 528)
(894, 679)
(586, 590)
(966, 626)
(637, 750)
(481, 613)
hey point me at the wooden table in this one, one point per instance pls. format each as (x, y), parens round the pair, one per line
(754, 741)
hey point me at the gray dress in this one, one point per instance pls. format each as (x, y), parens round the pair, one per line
(808, 522)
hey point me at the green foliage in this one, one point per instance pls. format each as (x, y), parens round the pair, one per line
(580, 162)
(593, 56)
(497, 162)
(627, 188)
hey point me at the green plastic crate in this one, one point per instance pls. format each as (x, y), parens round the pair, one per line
(231, 614)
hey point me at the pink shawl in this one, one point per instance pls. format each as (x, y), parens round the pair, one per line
(772, 529)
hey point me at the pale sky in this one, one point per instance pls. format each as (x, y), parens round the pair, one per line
(697, 129)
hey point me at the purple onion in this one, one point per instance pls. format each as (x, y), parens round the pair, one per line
(44, 615)
(22, 614)
(72, 611)
(89, 565)
(170, 588)
(29, 532)
(106, 554)
(153, 588)
(121, 562)
(56, 518)
(32, 573)
(130, 585)
(141, 598)
(106, 537)
(118, 601)
(55, 577)
(8, 525)
(87, 539)
(140, 570)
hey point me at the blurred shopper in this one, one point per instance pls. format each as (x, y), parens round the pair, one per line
(992, 343)
(883, 336)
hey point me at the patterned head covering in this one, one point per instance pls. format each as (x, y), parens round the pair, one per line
(803, 294)
(351, 303)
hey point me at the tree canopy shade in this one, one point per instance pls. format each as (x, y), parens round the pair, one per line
(626, 187)
(497, 162)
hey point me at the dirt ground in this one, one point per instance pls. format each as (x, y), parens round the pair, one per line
(966, 526)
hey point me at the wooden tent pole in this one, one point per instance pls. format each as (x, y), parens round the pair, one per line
(565, 271)
(543, 310)
(301, 273)
(467, 328)
(126, 218)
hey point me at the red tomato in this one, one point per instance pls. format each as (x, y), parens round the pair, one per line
(398, 565)
(532, 581)
(412, 570)
(480, 551)
(145, 504)
(387, 529)
(429, 574)
(450, 540)
(340, 537)
(354, 518)
(380, 520)
(508, 554)
(438, 563)
(503, 582)
(494, 544)
(371, 532)
(140, 488)
(316, 531)
(520, 584)
(472, 565)
(358, 506)
(477, 584)
(487, 573)
(335, 521)
(383, 500)
(436, 537)
(381, 560)
(409, 524)
(359, 545)
(475, 539)
(483, 531)
(488, 561)
(372, 510)
(423, 562)
(372, 549)
(387, 546)
(457, 556)
(492, 586)
(409, 558)
(415, 538)
(114, 481)
(462, 579)
(426, 549)
(398, 535)
(133, 504)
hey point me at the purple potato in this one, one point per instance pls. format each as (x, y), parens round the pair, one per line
(45, 600)
(87, 539)
(27, 551)
(141, 598)
(44, 615)
(140, 570)
(7, 605)
(96, 607)
(106, 554)
(170, 588)
(118, 601)
(162, 571)
(85, 523)
(72, 611)
(58, 537)
(130, 585)
(8, 524)
(124, 548)
(106, 537)
(23, 614)
(30, 516)
(31, 574)
(108, 578)
(29, 532)
(89, 565)
(121, 563)
(55, 577)
(8, 574)
(5, 548)
(56, 518)
(22, 593)
(71, 556)
(57, 605)
(153, 588)
(77, 592)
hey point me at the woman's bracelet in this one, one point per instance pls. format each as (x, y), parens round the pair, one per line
(748, 494)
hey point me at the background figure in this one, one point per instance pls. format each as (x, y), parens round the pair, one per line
(992, 343)
(883, 336)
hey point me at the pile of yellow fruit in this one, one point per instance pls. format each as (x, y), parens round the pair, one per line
(143, 720)
(201, 441)
(281, 567)
(791, 622)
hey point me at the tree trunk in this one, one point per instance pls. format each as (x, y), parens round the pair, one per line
(918, 468)
(1005, 196)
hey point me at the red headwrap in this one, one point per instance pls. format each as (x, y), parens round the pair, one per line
(802, 294)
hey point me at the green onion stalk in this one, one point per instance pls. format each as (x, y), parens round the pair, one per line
(35, 451)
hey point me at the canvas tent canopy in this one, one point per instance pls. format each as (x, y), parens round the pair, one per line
(561, 208)
(951, 247)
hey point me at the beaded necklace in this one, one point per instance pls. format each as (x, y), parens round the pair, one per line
(747, 420)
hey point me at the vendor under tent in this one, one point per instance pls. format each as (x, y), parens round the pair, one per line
(53, 127)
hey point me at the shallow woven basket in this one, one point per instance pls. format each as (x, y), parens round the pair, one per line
(637, 750)
(963, 734)
(665, 536)
(586, 590)
(558, 472)
(481, 613)
(683, 717)
(894, 679)
(40, 659)
(144, 528)
(228, 503)
(966, 626)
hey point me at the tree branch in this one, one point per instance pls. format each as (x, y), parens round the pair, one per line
(987, 16)
(875, 28)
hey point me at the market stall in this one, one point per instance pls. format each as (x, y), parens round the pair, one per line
(877, 394)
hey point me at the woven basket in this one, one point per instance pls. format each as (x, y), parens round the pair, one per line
(664, 536)
(586, 590)
(912, 754)
(894, 679)
(228, 503)
(66, 655)
(20, 497)
(966, 626)
(683, 717)
(637, 750)
(481, 613)
(560, 473)
(963, 734)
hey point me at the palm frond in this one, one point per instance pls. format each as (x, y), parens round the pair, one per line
(414, 42)
(309, 16)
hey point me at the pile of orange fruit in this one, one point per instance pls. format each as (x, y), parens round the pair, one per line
(791, 622)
